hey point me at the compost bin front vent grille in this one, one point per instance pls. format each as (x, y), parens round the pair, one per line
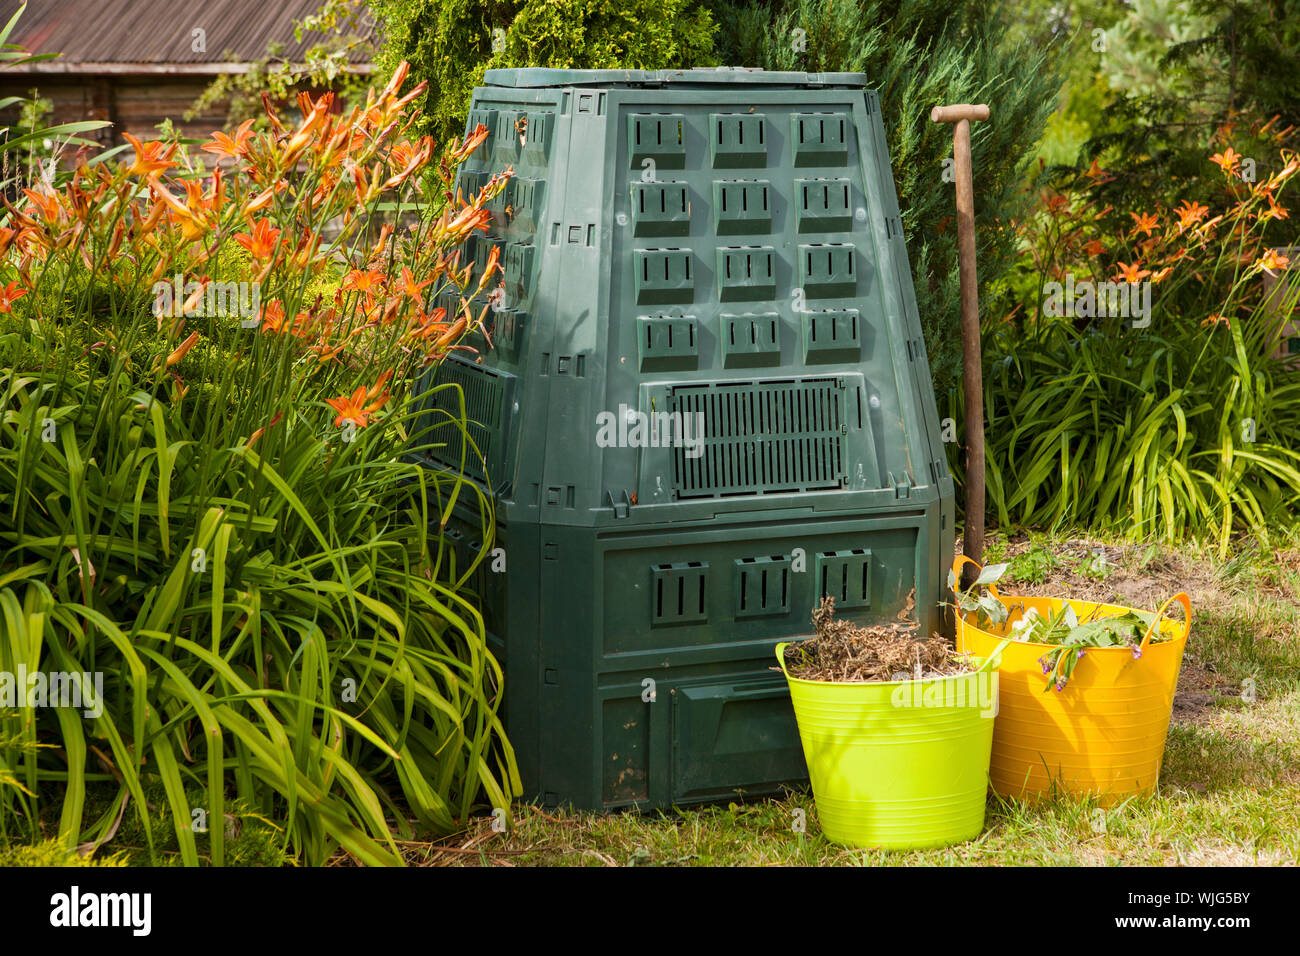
(485, 392)
(759, 437)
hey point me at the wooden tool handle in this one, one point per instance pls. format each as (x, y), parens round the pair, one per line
(958, 112)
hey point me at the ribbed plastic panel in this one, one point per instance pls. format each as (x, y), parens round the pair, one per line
(760, 437)
(484, 392)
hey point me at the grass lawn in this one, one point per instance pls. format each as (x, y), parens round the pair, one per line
(1229, 792)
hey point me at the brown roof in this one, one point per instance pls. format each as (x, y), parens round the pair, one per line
(151, 36)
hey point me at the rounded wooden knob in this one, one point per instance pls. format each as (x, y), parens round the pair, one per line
(959, 111)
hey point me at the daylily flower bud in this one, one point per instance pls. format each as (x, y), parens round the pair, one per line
(183, 349)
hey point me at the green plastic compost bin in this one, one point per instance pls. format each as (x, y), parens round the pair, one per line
(706, 404)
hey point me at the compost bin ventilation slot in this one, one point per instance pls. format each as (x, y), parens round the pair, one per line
(760, 438)
(483, 390)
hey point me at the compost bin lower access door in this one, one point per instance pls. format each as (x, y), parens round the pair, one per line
(731, 737)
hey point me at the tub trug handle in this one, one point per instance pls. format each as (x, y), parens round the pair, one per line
(1182, 598)
(961, 561)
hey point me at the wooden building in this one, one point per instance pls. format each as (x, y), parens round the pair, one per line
(137, 62)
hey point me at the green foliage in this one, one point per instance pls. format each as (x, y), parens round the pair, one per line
(50, 853)
(1137, 45)
(1067, 635)
(1183, 424)
(919, 55)
(264, 591)
(1201, 73)
(1072, 29)
(451, 44)
(32, 142)
(1143, 435)
(249, 838)
(1035, 566)
(989, 611)
(1095, 567)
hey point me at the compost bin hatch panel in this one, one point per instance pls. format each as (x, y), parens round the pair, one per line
(733, 735)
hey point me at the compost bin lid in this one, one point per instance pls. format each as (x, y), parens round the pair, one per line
(699, 76)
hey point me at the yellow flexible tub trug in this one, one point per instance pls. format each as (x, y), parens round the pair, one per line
(1104, 733)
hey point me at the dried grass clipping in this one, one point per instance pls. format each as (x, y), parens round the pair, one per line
(844, 651)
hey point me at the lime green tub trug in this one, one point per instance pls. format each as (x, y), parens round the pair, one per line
(901, 765)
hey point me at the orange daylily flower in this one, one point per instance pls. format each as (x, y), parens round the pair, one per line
(1097, 174)
(261, 244)
(1228, 161)
(1215, 319)
(409, 286)
(1190, 213)
(1207, 227)
(1272, 260)
(1132, 273)
(190, 215)
(47, 205)
(1145, 223)
(1055, 202)
(472, 141)
(396, 80)
(179, 389)
(428, 324)
(9, 295)
(270, 114)
(1274, 211)
(367, 189)
(151, 159)
(414, 162)
(340, 143)
(363, 281)
(490, 267)
(391, 307)
(231, 147)
(115, 243)
(273, 317)
(304, 134)
(258, 202)
(468, 220)
(196, 297)
(377, 391)
(324, 352)
(307, 105)
(21, 239)
(307, 321)
(385, 232)
(400, 154)
(382, 110)
(1285, 173)
(1094, 248)
(303, 256)
(353, 408)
